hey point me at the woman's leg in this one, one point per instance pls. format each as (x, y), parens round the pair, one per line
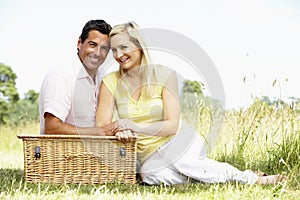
(158, 168)
(184, 158)
(193, 162)
(157, 176)
(211, 171)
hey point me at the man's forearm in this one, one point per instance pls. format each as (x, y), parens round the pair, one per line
(67, 129)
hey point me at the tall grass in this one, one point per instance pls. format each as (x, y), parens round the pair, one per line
(261, 137)
(10, 147)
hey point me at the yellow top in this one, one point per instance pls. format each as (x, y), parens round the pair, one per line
(147, 109)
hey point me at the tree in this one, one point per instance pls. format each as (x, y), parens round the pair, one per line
(8, 88)
(22, 112)
(13, 111)
(192, 87)
(25, 110)
(8, 91)
(266, 99)
(31, 96)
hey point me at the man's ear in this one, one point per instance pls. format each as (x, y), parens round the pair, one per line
(79, 43)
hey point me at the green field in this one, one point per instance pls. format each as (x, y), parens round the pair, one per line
(261, 138)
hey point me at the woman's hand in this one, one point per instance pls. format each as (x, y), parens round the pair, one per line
(119, 126)
(126, 136)
(125, 124)
(110, 129)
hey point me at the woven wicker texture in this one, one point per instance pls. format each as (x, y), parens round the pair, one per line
(78, 159)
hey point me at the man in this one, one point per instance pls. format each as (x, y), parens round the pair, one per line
(68, 99)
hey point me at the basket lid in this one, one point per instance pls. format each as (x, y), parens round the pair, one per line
(60, 136)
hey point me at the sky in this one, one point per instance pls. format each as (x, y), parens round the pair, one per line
(251, 43)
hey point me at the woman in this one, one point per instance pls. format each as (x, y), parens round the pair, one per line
(146, 99)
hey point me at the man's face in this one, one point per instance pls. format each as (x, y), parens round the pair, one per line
(93, 51)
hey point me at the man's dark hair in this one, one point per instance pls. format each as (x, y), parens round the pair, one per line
(98, 24)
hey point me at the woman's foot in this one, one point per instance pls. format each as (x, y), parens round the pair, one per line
(271, 179)
(260, 173)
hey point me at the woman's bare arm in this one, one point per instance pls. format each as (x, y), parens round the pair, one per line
(171, 114)
(105, 110)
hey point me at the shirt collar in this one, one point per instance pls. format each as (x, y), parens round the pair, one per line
(81, 71)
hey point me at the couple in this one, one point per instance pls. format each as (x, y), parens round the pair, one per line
(146, 99)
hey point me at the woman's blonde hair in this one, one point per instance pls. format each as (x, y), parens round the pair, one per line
(147, 69)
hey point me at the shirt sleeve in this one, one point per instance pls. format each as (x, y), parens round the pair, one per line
(56, 95)
(110, 81)
(163, 73)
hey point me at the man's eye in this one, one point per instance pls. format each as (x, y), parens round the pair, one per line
(105, 49)
(123, 47)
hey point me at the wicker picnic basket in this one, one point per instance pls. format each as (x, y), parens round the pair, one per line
(78, 159)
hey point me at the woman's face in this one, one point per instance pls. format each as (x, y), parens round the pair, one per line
(125, 52)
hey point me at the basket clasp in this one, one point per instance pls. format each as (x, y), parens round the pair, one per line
(122, 152)
(37, 152)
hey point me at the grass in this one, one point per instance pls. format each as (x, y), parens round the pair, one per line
(20, 190)
(259, 138)
(15, 188)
